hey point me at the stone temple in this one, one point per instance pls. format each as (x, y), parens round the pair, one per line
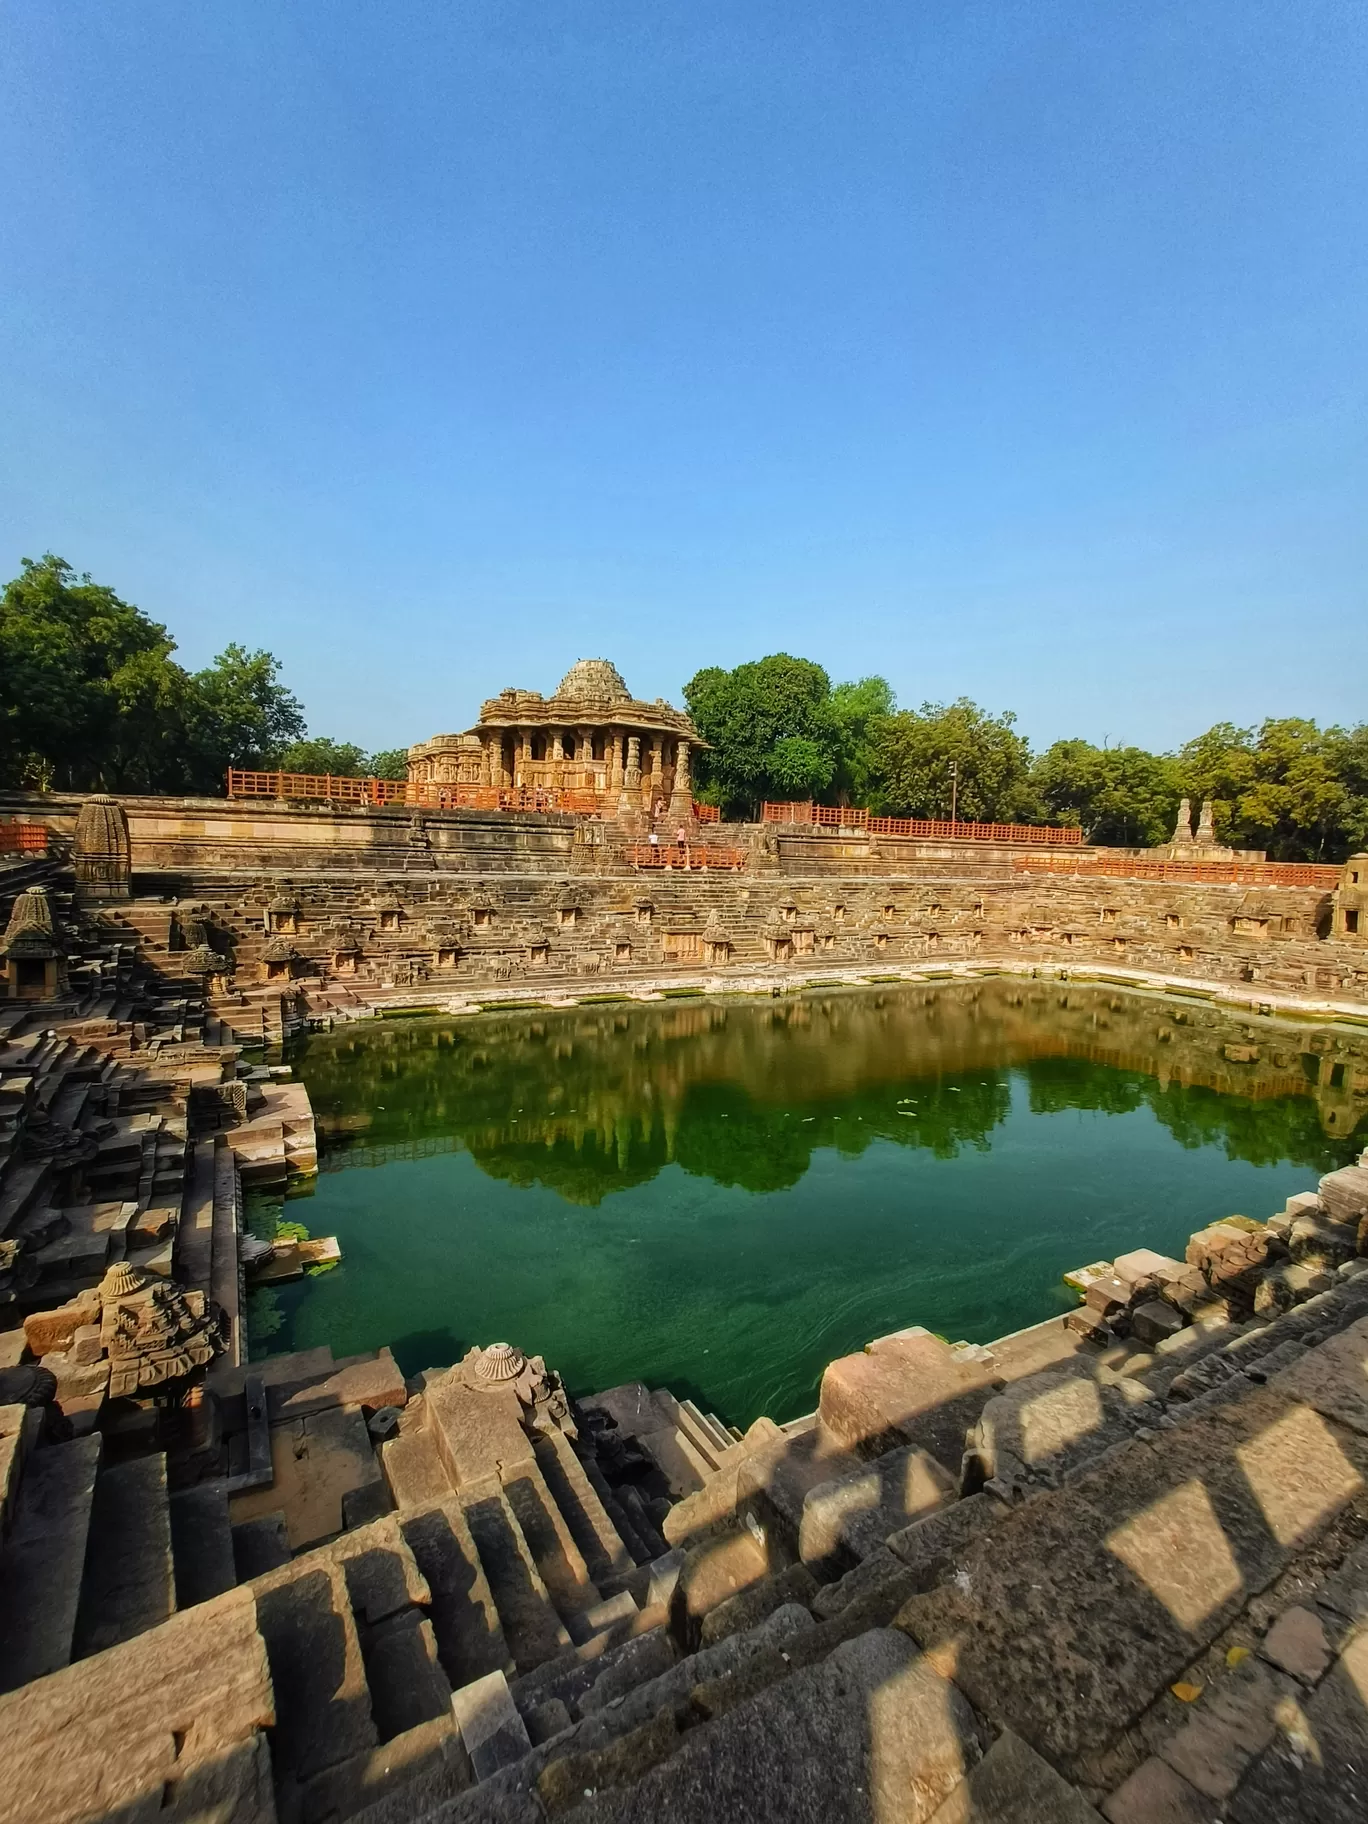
(590, 736)
(1110, 1569)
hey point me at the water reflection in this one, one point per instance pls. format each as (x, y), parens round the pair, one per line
(592, 1100)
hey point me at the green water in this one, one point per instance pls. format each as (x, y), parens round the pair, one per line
(722, 1195)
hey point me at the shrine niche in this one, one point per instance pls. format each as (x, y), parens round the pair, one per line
(591, 739)
(101, 852)
(33, 964)
(278, 960)
(282, 916)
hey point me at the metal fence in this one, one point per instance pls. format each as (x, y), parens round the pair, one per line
(1218, 873)
(338, 788)
(847, 817)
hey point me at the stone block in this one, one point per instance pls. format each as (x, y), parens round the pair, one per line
(1154, 1322)
(1234, 1722)
(493, 1732)
(1155, 1794)
(478, 1431)
(912, 1390)
(1107, 1296)
(846, 1519)
(1315, 1767)
(1297, 1645)
(1049, 1420)
(1333, 1377)
(871, 1732)
(1345, 1194)
(1013, 1785)
(1143, 1264)
(49, 1331)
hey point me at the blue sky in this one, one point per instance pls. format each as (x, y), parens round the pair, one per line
(1012, 350)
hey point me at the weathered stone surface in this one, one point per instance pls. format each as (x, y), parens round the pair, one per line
(871, 1733)
(1333, 1377)
(1050, 1420)
(1316, 1767)
(1234, 1721)
(323, 1702)
(494, 1734)
(1065, 1620)
(1155, 1794)
(128, 1583)
(45, 1331)
(1154, 1321)
(318, 1464)
(470, 1637)
(109, 1736)
(751, 1606)
(846, 1519)
(1012, 1785)
(1296, 1643)
(43, 1559)
(478, 1430)
(910, 1389)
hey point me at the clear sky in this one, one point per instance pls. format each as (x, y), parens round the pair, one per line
(1012, 348)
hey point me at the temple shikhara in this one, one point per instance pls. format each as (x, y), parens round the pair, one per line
(591, 737)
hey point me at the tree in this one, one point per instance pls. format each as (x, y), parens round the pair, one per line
(770, 729)
(243, 715)
(860, 710)
(317, 754)
(1118, 795)
(1280, 788)
(389, 763)
(917, 749)
(79, 668)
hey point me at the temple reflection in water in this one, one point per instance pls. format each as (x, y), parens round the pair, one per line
(593, 1099)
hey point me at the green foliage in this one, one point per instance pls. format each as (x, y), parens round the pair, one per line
(245, 716)
(317, 754)
(1117, 795)
(917, 750)
(776, 729)
(92, 699)
(860, 709)
(390, 763)
(1290, 787)
(77, 666)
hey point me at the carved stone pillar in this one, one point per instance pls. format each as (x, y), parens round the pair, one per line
(632, 778)
(1182, 830)
(557, 744)
(657, 771)
(1206, 825)
(681, 794)
(615, 776)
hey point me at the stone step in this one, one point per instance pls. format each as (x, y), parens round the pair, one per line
(558, 1559)
(606, 1557)
(43, 1559)
(129, 1582)
(414, 1470)
(612, 1507)
(465, 1621)
(202, 1543)
(533, 1629)
(323, 1708)
(712, 1433)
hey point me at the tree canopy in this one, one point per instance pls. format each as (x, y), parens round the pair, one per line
(92, 699)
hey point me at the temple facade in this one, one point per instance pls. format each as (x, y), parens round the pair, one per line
(592, 736)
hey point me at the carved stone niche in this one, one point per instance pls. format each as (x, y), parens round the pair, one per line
(389, 912)
(101, 852)
(539, 952)
(481, 911)
(278, 960)
(645, 911)
(622, 951)
(567, 912)
(282, 916)
(33, 964)
(346, 955)
(717, 943)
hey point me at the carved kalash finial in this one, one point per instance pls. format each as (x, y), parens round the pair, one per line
(101, 851)
(1206, 825)
(1182, 830)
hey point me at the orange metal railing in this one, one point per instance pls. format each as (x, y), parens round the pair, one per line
(847, 817)
(706, 813)
(1218, 873)
(684, 855)
(23, 838)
